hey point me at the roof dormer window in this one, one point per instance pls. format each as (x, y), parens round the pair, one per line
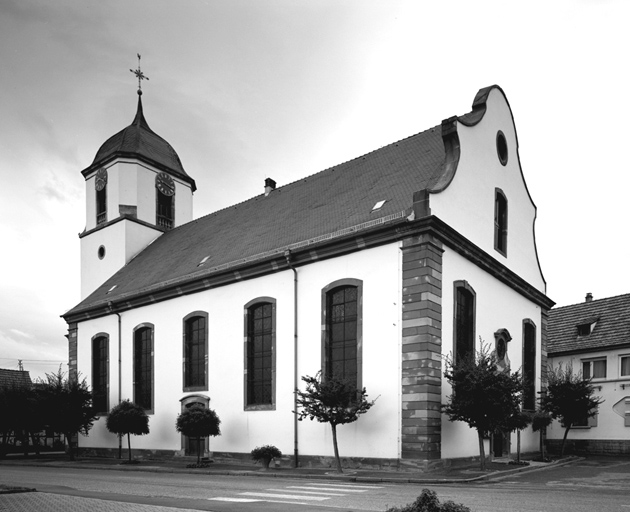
(585, 328)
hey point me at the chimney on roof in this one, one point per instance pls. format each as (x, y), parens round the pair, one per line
(589, 297)
(269, 186)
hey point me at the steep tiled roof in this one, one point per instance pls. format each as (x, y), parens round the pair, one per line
(328, 202)
(611, 319)
(14, 378)
(139, 141)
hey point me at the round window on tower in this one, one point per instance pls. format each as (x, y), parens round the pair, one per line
(502, 148)
(101, 252)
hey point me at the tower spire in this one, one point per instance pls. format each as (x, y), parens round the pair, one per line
(138, 72)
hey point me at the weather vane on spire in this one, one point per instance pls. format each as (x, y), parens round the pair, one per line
(138, 72)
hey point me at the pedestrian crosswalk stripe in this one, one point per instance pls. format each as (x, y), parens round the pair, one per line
(298, 489)
(238, 500)
(347, 486)
(286, 496)
(325, 489)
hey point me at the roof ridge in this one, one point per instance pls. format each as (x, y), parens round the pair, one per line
(591, 302)
(321, 172)
(332, 168)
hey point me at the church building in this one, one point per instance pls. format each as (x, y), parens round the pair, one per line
(374, 270)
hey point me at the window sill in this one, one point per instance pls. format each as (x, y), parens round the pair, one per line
(261, 407)
(194, 388)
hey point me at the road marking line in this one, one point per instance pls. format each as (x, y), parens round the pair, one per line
(296, 489)
(238, 500)
(325, 488)
(350, 486)
(285, 496)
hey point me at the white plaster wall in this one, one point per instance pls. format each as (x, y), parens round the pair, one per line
(95, 271)
(467, 204)
(609, 424)
(132, 183)
(122, 241)
(376, 434)
(497, 307)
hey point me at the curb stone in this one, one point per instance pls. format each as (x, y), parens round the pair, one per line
(496, 475)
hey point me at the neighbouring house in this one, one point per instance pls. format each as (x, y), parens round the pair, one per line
(373, 270)
(14, 379)
(594, 338)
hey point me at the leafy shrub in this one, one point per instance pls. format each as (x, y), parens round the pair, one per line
(266, 452)
(429, 502)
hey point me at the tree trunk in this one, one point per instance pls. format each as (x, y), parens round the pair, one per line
(566, 433)
(70, 447)
(482, 451)
(337, 459)
(198, 450)
(35, 441)
(129, 445)
(518, 446)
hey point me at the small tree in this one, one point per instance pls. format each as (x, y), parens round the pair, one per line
(128, 418)
(540, 421)
(481, 396)
(569, 398)
(520, 421)
(67, 406)
(199, 422)
(332, 400)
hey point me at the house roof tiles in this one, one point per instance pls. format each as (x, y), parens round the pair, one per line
(611, 317)
(332, 200)
(14, 378)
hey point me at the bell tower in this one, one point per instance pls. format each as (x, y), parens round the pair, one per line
(136, 190)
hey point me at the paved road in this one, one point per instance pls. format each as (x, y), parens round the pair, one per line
(587, 486)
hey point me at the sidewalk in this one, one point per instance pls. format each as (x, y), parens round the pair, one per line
(460, 474)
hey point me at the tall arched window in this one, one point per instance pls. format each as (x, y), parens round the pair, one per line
(464, 321)
(500, 221)
(196, 352)
(100, 373)
(529, 364)
(342, 337)
(143, 366)
(260, 367)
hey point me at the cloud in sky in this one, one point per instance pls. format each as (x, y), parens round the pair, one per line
(249, 89)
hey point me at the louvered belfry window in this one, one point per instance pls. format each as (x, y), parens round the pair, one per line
(341, 319)
(259, 354)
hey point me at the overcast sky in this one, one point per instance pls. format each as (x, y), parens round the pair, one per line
(249, 89)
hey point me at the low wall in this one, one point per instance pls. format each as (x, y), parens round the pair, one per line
(590, 446)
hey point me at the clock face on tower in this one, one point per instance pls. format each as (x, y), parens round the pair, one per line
(165, 184)
(101, 179)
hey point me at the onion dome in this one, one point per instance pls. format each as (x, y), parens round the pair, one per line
(138, 141)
